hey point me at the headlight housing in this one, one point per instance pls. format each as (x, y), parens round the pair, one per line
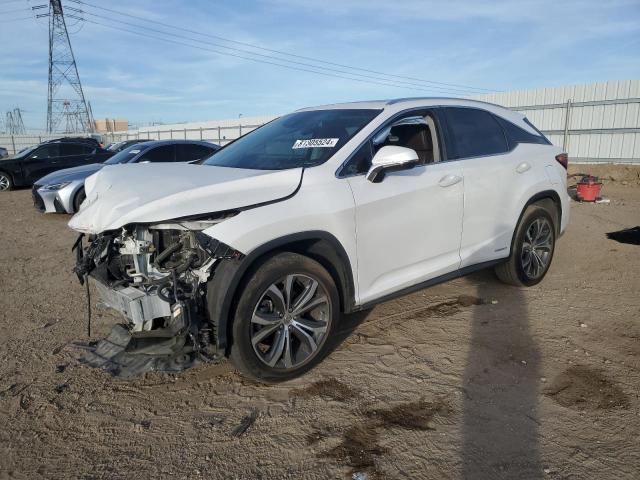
(56, 186)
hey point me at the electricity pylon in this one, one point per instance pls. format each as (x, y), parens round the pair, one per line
(67, 106)
(13, 122)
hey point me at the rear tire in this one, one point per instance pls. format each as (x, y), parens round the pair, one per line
(532, 249)
(285, 320)
(6, 183)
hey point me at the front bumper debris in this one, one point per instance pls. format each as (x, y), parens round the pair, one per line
(156, 277)
(139, 307)
(120, 355)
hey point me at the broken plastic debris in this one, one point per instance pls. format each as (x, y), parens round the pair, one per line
(245, 423)
(603, 200)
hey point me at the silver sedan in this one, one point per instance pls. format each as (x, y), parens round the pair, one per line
(63, 191)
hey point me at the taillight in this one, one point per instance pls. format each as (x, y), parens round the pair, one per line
(563, 159)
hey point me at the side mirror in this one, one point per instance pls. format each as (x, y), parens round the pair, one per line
(391, 159)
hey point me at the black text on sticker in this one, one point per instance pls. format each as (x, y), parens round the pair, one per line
(316, 143)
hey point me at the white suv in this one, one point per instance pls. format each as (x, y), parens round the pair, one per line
(258, 252)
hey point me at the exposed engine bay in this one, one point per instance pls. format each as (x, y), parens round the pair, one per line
(155, 276)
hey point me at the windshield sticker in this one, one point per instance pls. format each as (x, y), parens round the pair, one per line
(134, 151)
(316, 143)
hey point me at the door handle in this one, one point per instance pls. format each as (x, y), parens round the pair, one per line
(523, 167)
(449, 180)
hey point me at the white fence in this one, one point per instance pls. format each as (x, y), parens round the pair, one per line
(596, 123)
(219, 134)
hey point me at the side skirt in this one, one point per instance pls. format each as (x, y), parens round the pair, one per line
(429, 283)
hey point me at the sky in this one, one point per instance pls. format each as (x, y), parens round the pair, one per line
(499, 45)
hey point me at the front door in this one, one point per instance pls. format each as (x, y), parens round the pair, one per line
(409, 226)
(41, 162)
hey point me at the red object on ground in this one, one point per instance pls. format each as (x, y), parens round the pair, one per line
(588, 189)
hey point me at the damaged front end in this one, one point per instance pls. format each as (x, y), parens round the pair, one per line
(155, 276)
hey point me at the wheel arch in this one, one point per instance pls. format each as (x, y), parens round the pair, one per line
(225, 286)
(549, 195)
(74, 196)
(10, 175)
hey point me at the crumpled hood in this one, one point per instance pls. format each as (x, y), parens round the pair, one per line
(69, 174)
(145, 193)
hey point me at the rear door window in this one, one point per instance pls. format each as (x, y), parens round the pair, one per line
(190, 152)
(165, 153)
(474, 133)
(69, 149)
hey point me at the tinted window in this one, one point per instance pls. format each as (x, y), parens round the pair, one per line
(301, 139)
(517, 135)
(47, 151)
(166, 153)
(474, 133)
(74, 149)
(126, 155)
(190, 152)
(360, 162)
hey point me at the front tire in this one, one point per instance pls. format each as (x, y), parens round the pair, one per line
(532, 249)
(6, 183)
(285, 319)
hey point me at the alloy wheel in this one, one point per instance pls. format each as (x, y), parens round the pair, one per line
(290, 321)
(4, 182)
(536, 248)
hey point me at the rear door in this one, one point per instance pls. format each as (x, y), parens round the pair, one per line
(74, 155)
(41, 162)
(493, 183)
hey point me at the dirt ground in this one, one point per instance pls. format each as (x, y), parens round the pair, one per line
(469, 379)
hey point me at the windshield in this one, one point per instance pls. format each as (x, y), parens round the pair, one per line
(301, 139)
(126, 155)
(25, 151)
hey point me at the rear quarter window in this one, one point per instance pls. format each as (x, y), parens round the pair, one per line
(517, 135)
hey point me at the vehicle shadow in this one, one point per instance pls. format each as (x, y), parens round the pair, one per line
(501, 382)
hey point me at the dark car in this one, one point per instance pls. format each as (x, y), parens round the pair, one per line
(119, 146)
(31, 164)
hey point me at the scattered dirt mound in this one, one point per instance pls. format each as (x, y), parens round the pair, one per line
(412, 416)
(359, 448)
(327, 388)
(446, 308)
(582, 388)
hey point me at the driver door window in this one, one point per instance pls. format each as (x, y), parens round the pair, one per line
(46, 152)
(416, 132)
